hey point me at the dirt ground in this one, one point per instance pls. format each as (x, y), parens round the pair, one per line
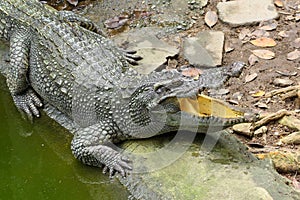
(238, 48)
(267, 72)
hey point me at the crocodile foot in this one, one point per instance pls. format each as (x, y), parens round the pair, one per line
(28, 103)
(120, 164)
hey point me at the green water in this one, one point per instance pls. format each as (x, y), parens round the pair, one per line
(36, 161)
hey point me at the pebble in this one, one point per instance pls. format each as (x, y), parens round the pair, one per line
(293, 138)
(283, 82)
(243, 129)
(262, 130)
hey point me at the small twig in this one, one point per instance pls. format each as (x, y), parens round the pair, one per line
(283, 90)
(290, 94)
(271, 117)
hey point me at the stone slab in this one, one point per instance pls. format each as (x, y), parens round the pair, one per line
(204, 50)
(244, 12)
(204, 171)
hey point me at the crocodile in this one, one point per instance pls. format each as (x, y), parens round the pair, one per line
(61, 59)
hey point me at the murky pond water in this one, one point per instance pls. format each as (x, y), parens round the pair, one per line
(36, 161)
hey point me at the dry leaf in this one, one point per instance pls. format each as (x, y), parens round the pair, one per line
(278, 3)
(283, 34)
(244, 33)
(286, 73)
(250, 77)
(263, 42)
(228, 47)
(296, 43)
(293, 55)
(191, 72)
(259, 93)
(260, 33)
(211, 18)
(264, 54)
(269, 27)
(261, 105)
(252, 59)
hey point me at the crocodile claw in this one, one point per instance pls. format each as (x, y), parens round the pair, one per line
(121, 165)
(28, 103)
(131, 57)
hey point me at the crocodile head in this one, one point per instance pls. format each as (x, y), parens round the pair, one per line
(172, 104)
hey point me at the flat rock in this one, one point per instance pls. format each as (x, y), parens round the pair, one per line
(205, 49)
(203, 172)
(147, 45)
(244, 12)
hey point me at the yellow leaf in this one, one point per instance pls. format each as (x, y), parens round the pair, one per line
(259, 93)
(264, 42)
(264, 54)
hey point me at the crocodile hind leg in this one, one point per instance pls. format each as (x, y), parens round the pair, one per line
(91, 145)
(24, 97)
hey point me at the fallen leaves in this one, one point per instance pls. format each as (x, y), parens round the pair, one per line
(286, 73)
(228, 47)
(250, 77)
(252, 59)
(259, 93)
(269, 26)
(211, 18)
(191, 72)
(283, 34)
(116, 22)
(293, 55)
(264, 54)
(263, 42)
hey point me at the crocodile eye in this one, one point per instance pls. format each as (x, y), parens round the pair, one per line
(161, 89)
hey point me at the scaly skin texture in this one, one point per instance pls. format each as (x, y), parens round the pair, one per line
(61, 58)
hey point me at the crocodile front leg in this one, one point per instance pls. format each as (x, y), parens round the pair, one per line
(91, 146)
(24, 98)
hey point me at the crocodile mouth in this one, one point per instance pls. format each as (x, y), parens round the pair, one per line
(205, 106)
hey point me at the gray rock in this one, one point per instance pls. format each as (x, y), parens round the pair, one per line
(244, 12)
(204, 50)
(222, 170)
(147, 45)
